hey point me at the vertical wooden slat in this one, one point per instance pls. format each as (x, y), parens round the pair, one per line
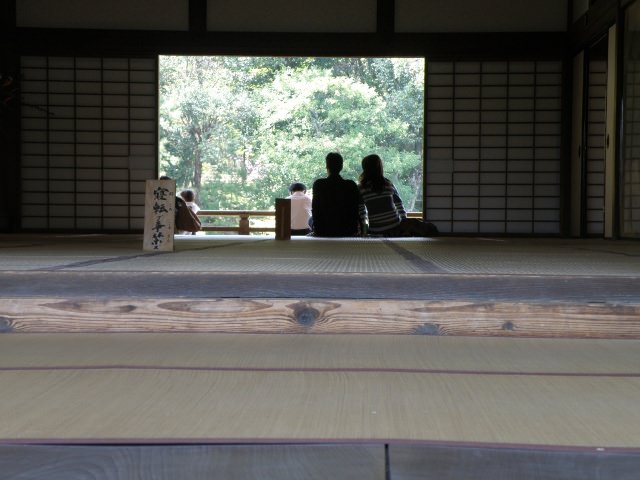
(283, 219)
(198, 15)
(610, 136)
(386, 11)
(9, 121)
(576, 144)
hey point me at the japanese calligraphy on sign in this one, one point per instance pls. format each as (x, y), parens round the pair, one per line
(159, 215)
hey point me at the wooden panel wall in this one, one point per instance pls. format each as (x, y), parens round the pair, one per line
(481, 16)
(299, 16)
(112, 14)
(291, 16)
(595, 166)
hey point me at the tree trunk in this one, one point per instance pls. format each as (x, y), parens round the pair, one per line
(416, 184)
(197, 170)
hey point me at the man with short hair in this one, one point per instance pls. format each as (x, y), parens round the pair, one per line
(336, 204)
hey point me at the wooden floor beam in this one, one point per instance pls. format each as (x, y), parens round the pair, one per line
(228, 315)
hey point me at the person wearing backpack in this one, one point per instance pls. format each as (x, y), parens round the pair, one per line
(187, 220)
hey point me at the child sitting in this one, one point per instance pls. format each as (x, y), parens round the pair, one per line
(189, 198)
(300, 209)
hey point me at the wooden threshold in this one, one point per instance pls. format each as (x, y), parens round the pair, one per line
(319, 316)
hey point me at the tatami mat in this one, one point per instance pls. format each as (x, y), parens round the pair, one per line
(318, 352)
(256, 388)
(528, 257)
(125, 406)
(234, 253)
(298, 255)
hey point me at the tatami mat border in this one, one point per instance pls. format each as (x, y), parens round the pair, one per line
(426, 371)
(315, 441)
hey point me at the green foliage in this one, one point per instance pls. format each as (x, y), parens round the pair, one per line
(239, 130)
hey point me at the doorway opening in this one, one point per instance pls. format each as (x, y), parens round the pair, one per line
(240, 130)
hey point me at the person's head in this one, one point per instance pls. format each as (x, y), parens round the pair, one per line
(297, 187)
(188, 195)
(372, 173)
(334, 163)
(165, 177)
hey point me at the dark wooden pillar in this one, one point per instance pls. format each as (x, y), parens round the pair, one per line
(198, 15)
(283, 219)
(9, 119)
(386, 16)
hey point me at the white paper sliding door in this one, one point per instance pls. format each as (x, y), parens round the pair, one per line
(493, 133)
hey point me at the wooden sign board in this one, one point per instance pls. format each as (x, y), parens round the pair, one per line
(159, 215)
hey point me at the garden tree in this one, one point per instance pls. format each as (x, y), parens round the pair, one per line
(192, 122)
(207, 124)
(204, 122)
(240, 129)
(400, 83)
(309, 113)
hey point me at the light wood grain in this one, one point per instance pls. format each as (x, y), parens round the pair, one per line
(552, 320)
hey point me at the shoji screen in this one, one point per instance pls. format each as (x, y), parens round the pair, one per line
(88, 142)
(596, 127)
(630, 222)
(493, 147)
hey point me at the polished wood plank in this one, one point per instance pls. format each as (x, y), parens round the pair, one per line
(197, 462)
(444, 463)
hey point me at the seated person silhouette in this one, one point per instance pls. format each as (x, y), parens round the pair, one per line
(387, 216)
(336, 202)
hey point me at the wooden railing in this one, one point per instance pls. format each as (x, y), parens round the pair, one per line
(244, 227)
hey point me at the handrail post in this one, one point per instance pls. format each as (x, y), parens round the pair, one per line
(243, 227)
(283, 219)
